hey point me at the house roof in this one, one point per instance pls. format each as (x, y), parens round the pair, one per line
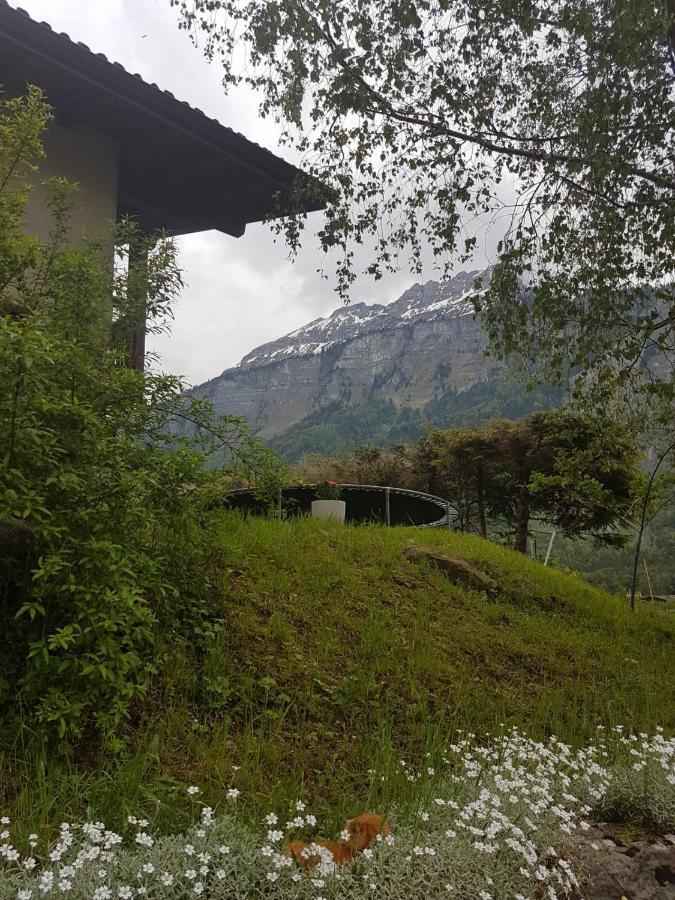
(180, 170)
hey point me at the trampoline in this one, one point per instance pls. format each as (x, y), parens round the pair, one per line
(365, 504)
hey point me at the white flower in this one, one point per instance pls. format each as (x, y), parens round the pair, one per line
(271, 819)
(29, 863)
(368, 853)
(124, 892)
(166, 879)
(274, 836)
(207, 815)
(220, 874)
(65, 885)
(198, 887)
(144, 839)
(25, 894)
(272, 876)
(190, 874)
(299, 805)
(193, 790)
(5, 820)
(232, 794)
(188, 850)
(148, 868)
(102, 893)
(223, 849)
(424, 816)
(310, 820)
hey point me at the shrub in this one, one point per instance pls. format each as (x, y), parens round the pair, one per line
(96, 496)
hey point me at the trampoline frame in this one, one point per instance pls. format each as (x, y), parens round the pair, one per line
(447, 512)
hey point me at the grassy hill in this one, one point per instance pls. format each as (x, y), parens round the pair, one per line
(334, 654)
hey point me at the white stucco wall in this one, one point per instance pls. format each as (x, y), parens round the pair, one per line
(91, 160)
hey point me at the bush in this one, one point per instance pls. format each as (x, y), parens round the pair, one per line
(96, 497)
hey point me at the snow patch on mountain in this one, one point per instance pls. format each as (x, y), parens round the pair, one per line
(422, 302)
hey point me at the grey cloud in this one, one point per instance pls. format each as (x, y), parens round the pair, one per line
(240, 292)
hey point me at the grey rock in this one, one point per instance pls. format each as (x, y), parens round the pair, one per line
(409, 351)
(644, 870)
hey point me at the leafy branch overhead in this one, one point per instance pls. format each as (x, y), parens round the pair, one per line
(551, 122)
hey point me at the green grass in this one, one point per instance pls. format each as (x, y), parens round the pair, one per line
(335, 654)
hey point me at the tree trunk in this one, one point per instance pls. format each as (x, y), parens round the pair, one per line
(522, 519)
(643, 521)
(480, 499)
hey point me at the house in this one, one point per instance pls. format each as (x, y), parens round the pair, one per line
(136, 150)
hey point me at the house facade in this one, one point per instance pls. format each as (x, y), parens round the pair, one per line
(137, 151)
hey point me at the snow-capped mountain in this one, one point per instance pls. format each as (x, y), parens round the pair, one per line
(422, 302)
(415, 356)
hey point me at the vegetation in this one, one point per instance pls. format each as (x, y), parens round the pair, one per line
(577, 474)
(332, 654)
(491, 822)
(611, 567)
(553, 117)
(103, 534)
(379, 423)
(340, 429)
(150, 639)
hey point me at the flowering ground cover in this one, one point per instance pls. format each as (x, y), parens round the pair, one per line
(332, 653)
(493, 820)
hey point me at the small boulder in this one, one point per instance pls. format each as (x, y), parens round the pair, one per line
(454, 568)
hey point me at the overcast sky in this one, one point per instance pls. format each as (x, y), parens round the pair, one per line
(243, 291)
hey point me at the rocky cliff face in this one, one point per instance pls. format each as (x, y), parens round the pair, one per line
(411, 352)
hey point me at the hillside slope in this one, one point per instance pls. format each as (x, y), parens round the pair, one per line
(334, 653)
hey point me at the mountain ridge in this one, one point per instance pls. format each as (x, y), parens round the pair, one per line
(429, 300)
(374, 373)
